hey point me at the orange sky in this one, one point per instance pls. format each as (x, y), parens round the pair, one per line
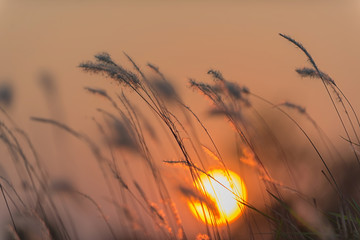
(183, 38)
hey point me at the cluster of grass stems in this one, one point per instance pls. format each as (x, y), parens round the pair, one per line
(127, 129)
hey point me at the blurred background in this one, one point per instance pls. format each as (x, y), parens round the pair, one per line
(43, 42)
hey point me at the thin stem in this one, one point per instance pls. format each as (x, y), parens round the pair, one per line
(8, 208)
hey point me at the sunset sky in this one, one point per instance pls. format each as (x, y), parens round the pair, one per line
(184, 39)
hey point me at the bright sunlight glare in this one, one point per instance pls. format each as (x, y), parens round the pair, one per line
(224, 197)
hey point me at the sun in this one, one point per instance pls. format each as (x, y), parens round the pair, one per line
(223, 197)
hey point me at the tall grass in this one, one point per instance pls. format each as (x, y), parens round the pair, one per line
(145, 211)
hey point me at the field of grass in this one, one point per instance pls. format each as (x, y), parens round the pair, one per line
(155, 156)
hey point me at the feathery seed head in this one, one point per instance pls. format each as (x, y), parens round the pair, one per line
(105, 58)
(312, 73)
(294, 106)
(97, 91)
(164, 88)
(216, 74)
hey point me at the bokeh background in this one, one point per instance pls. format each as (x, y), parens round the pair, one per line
(185, 39)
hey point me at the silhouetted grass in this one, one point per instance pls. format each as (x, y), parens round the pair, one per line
(128, 133)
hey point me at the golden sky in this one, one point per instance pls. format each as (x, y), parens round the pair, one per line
(185, 39)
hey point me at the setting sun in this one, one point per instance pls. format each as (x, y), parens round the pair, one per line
(222, 205)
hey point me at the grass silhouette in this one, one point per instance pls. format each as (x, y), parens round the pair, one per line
(34, 209)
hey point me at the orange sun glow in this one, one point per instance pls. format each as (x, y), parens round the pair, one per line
(222, 202)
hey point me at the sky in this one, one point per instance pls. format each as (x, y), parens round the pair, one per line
(184, 39)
